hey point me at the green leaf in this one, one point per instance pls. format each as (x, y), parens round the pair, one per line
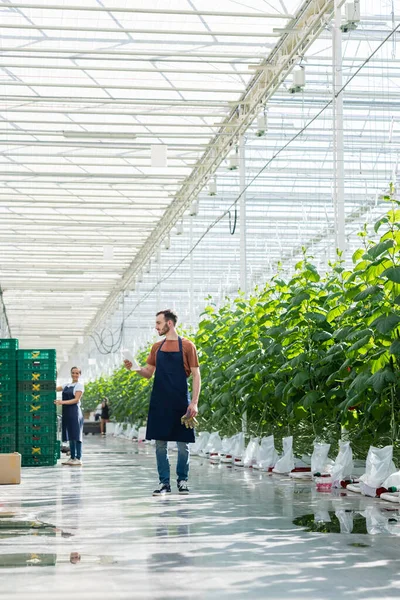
(393, 274)
(382, 379)
(342, 333)
(300, 379)
(299, 298)
(360, 343)
(321, 336)
(386, 323)
(369, 291)
(395, 348)
(334, 313)
(310, 399)
(359, 333)
(378, 249)
(311, 275)
(379, 223)
(360, 383)
(275, 331)
(315, 316)
(357, 255)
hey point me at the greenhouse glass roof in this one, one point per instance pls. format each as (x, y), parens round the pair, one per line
(96, 229)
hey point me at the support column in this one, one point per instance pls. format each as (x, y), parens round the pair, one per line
(243, 236)
(243, 223)
(191, 267)
(158, 271)
(338, 145)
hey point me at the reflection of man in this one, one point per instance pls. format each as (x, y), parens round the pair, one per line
(173, 360)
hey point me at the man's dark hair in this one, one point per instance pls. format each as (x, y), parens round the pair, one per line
(169, 315)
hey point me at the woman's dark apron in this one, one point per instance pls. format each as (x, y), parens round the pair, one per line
(169, 399)
(72, 418)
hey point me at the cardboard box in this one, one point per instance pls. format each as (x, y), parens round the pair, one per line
(10, 468)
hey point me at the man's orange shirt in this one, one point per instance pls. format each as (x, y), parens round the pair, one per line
(190, 358)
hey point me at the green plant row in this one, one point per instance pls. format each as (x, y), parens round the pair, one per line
(308, 357)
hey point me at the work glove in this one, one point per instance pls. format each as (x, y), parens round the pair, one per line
(189, 422)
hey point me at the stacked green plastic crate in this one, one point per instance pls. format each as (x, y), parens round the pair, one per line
(37, 415)
(8, 395)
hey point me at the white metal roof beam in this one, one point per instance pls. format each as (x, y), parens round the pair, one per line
(113, 69)
(309, 21)
(123, 30)
(151, 11)
(117, 87)
(124, 101)
(156, 55)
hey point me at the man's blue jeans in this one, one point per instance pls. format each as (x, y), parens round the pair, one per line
(182, 467)
(76, 449)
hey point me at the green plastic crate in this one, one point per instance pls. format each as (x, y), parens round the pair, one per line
(36, 386)
(8, 386)
(8, 377)
(38, 461)
(8, 398)
(7, 408)
(7, 448)
(8, 365)
(42, 418)
(37, 429)
(36, 397)
(36, 407)
(37, 439)
(36, 365)
(38, 450)
(8, 416)
(8, 344)
(36, 354)
(8, 429)
(8, 354)
(36, 375)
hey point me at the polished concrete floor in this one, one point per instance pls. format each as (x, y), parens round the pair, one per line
(97, 532)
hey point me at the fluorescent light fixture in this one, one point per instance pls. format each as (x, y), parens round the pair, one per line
(98, 134)
(159, 155)
(108, 252)
(64, 272)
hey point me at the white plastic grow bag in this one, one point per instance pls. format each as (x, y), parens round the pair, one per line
(238, 450)
(268, 456)
(320, 462)
(286, 463)
(343, 465)
(200, 443)
(142, 434)
(118, 429)
(226, 454)
(251, 453)
(214, 447)
(378, 468)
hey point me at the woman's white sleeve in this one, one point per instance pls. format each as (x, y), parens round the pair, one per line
(79, 387)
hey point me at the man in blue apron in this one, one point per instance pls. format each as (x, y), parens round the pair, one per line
(173, 360)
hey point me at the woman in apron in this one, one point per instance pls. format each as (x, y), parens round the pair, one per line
(72, 417)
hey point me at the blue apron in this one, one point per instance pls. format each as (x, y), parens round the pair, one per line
(72, 418)
(169, 399)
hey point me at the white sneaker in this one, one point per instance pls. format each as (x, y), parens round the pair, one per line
(76, 462)
(68, 462)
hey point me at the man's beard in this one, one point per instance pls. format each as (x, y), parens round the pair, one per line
(164, 330)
